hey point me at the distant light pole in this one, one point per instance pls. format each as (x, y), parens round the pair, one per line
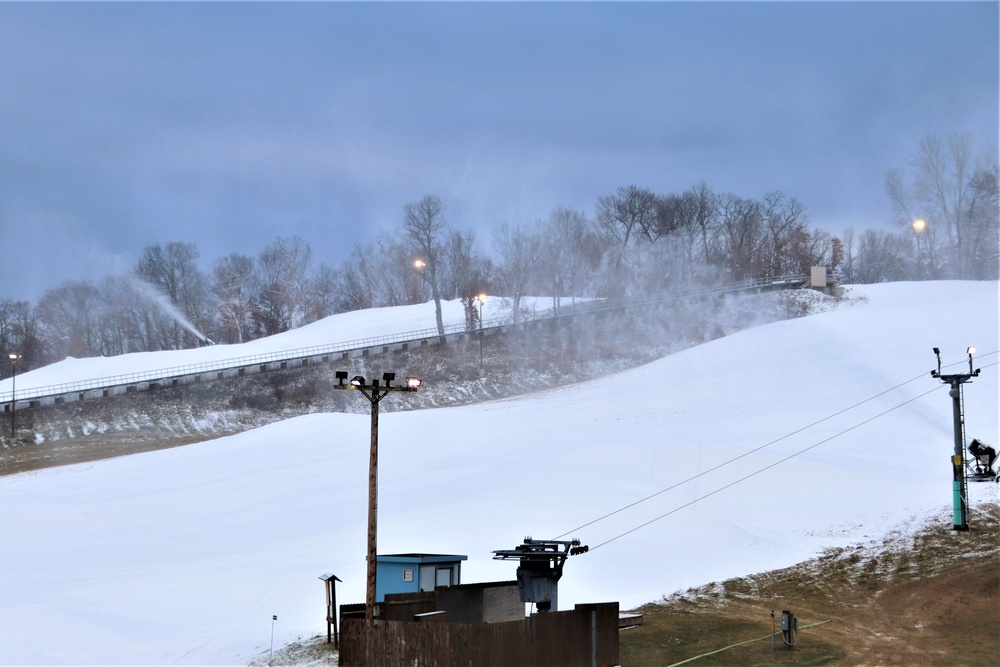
(374, 392)
(960, 497)
(418, 265)
(481, 298)
(13, 356)
(918, 227)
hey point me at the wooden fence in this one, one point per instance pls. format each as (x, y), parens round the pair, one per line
(584, 637)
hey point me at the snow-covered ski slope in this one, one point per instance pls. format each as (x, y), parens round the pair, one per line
(341, 328)
(182, 556)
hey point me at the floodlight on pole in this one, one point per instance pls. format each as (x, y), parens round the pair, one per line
(481, 298)
(374, 392)
(960, 496)
(919, 225)
(13, 357)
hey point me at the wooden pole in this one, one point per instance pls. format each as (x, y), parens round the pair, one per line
(336, 634)
(372, 509)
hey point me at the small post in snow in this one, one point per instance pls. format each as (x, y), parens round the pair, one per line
(270, 651)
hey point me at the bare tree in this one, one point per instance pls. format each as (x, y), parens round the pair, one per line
(424, 224)
(850, 252)
(787, 236)
(984, 216)
(946, 192)
(469, 272)
(173, 269)
(19, 334)
(704, 209)
(65, 315)
(322, 294)
(358, 279)
(629, 213)
(929, 239)
(397, 281)
(520, 253)
(233, 284)
(743, 236)
(881, 257)
(282, 267)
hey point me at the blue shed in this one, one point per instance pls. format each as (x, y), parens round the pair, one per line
(412, 573)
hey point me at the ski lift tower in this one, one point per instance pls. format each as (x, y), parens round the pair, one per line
(541, 568)
(960, 488)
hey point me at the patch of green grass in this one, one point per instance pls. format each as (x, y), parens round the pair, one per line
(668, 636)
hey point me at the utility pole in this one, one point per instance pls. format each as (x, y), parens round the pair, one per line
(960, 496)
(374, 392)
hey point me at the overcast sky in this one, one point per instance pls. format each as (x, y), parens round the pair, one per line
(227, 125)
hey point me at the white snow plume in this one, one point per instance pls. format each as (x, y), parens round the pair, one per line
(155, 296)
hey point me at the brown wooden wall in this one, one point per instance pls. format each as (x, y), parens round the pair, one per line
(584, 637)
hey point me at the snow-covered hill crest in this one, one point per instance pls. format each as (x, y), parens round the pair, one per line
(182, 556)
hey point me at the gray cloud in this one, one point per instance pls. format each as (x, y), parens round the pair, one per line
(229, 124)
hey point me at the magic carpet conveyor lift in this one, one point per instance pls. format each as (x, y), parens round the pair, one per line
(541, 568)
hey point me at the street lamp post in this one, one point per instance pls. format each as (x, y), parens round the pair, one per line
(918, 227)
(374, 392)
(481, 298)
(418, 267)
(13, 356)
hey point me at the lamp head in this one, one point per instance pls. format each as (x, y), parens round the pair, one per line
(413, 382)
(357, 381)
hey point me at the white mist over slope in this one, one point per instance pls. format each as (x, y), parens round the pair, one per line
(181, 556)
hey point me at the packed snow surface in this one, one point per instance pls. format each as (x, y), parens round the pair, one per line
(832, 427)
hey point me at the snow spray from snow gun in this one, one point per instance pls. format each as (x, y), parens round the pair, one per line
(150, 293)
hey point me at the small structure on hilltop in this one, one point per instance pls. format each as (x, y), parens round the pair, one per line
(415, 573)
(825, 280)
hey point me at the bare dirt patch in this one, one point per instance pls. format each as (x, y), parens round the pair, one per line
(930, 598)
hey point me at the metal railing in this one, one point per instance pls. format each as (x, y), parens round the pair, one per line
(221, 365)
(29, 393)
